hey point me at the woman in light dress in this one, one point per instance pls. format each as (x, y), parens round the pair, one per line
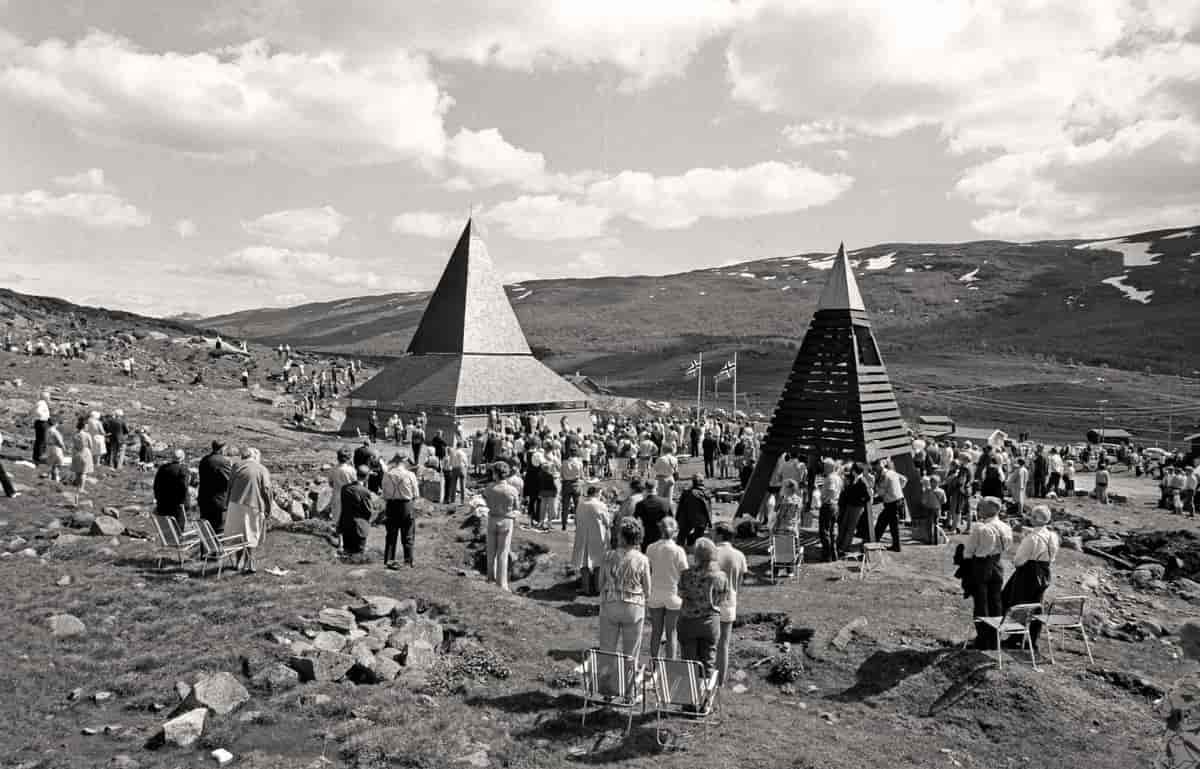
(592, 523)
(249, 503)
(82, 462)
(56, 449)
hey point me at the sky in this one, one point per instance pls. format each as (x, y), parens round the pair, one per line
(204, 156)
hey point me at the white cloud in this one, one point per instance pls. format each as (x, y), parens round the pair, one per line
(429, 224)
(313, 110)
(298, 226)
(647, 41)
(819, 132)
(284, 268)
(288, 300)
(95, 209)
(675, 202)
(185, 228)
(91, 180)
(1057, 94)
(549, 217)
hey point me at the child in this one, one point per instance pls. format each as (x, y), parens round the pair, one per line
(1069, 478)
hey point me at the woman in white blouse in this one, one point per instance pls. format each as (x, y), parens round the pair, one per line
(1034, 558)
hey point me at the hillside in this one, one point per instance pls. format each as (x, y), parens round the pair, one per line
(1089, 302)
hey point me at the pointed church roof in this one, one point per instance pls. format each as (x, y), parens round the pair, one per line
(469, 311)
(841, 290)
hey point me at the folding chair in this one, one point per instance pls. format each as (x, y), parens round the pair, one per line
(1065, 613)
(682, 690)
(170, 539)
(219, 549)
(1016, 621)
(786, 553)
(613, 680)
(874, 556)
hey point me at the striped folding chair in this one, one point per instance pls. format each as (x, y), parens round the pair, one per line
(1062, 614)
(612, 680)
(681, 689)
(786, 553)
(215, 548)
(170, 539)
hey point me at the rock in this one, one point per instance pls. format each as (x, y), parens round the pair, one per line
(107, 526)
(362, 656)
(356, 634)
(740, 676)
(1073, 543)
(1106, 543)
(182, 731)
(28, 552)
(409, 629)
(66, 625)
(64, 580)
(478, 758)
(81, 519)
(300, 647)
(374, 607)
(75, 694)
(375, 670)
(329, 641)
(221, 693)
(336, 619)
(1187, 588)
(357, 573)
(124, 761)
(315, 699)
(318, 665)
(221, 756)
(406, 606)
(279, 516)
(297, 511)
(390, 653)
(67, 539)
(249, 716)
(182, 690)
(740, 689)
(419, 656)
(1147, 573)
(17, 543)
(371, 643)
(846, 634)
(89, 731)
(277, 678)
(1152, 628)
(112, 512)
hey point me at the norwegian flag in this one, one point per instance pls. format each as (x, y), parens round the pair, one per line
(727, 371)
(692, 370)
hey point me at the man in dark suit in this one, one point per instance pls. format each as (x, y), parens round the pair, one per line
(650, 511)
(171, 490)
(709, 446)
(212, 497)
(355, 523)
(694, 512)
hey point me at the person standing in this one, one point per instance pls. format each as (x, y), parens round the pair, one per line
(171, 489)
(1101, 491)
(339, 477)
(41, 423)
(667, 561)
(212, 498)
(355, 522)
(857, 501)
(890, 487)
(115, 432)
(572, 476)
(989, 539)
(666, 470)
(1033, 561)
(1016, 483)
(709, 446)
(694, 512)
(704, 589)
(649, 511)
(732, 562)
(624, 586)
(249, 504)
(592, 524)
(5, 481)
(400, 488)
(831, 492)
(1055, 471)
(56, 449)
(456, 474)
(1041, 469)
(502, 501)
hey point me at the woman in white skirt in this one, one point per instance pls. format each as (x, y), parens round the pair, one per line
(82, 462)
(56, 449)
(249, 503)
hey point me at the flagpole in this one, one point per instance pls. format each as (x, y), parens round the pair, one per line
(717, 388)
(699, 381)
(735, 380)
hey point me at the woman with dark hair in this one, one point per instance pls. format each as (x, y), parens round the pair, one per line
(992, 481)
(624, 586)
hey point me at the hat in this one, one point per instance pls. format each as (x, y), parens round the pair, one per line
(217, 446)
(829, 465)
(697, 480)
(1040, 515)
(989, 507)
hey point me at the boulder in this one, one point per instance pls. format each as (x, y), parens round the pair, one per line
(1187, 589)
(374, 607)
(66, 625)
(375, 670)
(371, 643)
(336, 619)
(846, 634)
(297, 511)
(62, 540)
(317, 665)
(362, 656)
(419, 656)
(1073, 543)
(221, 756)
(1147, 573)
(279, 516)
(123, 761)
(182, 731)
(277, 678)
(107, 526)
(329, 641)
(405, 606)
(221, 693)
(409, 629)
(82, 519)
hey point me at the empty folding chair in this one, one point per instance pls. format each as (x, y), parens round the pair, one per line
(786, 553)
(1062, 614)
(171, 540)
(681, 689)
(612, 680)
(1016, 621)
(215, 548)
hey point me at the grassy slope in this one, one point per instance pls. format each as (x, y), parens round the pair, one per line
(147, 630)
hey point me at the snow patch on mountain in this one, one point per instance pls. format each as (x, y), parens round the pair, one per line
(1131, 292)
(1132, 254)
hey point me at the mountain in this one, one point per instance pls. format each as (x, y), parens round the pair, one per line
(1127, 302)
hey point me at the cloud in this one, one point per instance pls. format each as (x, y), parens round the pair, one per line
(185, 228)
(549, 217)
(820, 132)
(647, 42)
(1046, 99)
(308, 271)
(298, 226)
(96, 209)
(307, 109)
(428, 224)
(288, 300)
(675, 202)
(91, 180)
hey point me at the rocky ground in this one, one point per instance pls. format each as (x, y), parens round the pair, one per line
(112, 661)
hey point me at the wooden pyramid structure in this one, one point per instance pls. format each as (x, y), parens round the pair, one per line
(838, 401)
(467, 358)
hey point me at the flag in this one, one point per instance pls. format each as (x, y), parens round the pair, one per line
(727, 371)
(692, 370)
